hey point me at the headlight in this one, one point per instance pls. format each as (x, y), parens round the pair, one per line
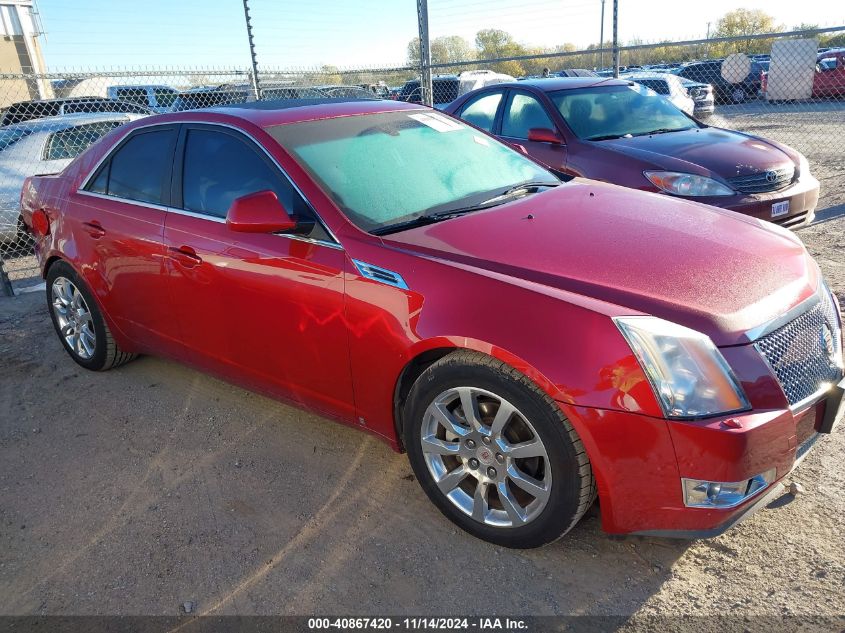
(681, 184)
(689, 375)
(803, 165)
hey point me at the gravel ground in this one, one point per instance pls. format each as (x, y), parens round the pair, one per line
(136, 490)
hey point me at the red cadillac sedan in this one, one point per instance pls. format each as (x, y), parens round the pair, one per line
(621, 132)
(531, 344)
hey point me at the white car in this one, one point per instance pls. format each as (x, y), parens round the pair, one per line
(44, 146)
(670, 86)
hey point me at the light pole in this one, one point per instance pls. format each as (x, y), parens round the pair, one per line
(616, 38)
(601, 37)
(256, 87)
(426, 89)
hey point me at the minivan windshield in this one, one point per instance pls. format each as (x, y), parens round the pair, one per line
(607, 112)
(390, 168)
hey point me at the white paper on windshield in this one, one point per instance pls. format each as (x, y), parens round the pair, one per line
(436, 122)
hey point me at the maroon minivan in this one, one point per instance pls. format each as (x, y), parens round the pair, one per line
(620, 132)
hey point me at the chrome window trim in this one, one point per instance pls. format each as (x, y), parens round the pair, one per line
(102, 196)
(81, 189)
(201, 216)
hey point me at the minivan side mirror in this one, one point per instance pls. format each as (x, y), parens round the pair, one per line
(259, 212)
(544, 135)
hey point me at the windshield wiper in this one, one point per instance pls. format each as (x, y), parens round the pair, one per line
(448, 214)
(662, 130)
(606, 137)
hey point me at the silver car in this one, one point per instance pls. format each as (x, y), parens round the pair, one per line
(44, 146)
(667, 85)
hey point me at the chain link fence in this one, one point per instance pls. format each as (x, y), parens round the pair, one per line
(787, 87)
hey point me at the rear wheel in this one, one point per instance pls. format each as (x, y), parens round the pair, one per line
(494, 453)
(79, 323)
(738, 95)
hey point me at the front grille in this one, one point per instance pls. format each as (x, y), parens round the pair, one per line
(764, 181)
(797, 352)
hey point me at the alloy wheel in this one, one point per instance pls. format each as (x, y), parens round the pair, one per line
(73, 316)
(486, 457)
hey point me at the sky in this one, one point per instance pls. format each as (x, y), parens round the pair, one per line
(101, 34)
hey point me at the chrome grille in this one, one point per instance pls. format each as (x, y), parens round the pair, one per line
(764, 181)
(797, 352)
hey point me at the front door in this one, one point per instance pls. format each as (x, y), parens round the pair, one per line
(524, 111)
(264, 310)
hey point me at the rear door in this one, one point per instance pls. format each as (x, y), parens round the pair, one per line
(524, 111)
(264, 310)
(120, 212)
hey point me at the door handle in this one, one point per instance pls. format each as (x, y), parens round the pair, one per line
(186, 256)
(94, 229)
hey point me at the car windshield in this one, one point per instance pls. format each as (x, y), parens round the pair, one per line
(389, 168)
(605, 112)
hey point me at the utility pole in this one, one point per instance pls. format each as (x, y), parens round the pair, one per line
(426, 89)
(708, 39)
(256, 87)
(601, 37)
(616, 38)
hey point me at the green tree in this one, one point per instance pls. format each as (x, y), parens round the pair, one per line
(743, 22)
(446, 49)
(495, 43)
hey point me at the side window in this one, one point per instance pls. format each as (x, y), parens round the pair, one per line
(139, 168)
(164, 97)
(219, 167)
(70, 143)
(133, 95)
(523, 113)
(481, 111)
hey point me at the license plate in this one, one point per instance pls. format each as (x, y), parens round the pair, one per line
(834, 408)
(780, 208)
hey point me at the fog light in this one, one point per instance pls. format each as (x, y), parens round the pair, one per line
(724, 494)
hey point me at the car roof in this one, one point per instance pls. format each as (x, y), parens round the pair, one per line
(282, 111)
(565, 83)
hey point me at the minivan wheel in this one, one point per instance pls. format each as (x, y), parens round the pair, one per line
(79, 323)
(738, 95)
(494, 453)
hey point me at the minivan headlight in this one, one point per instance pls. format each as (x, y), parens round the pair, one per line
(692, 185)
(688, 373)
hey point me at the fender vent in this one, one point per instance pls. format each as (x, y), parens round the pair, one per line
(380, 274)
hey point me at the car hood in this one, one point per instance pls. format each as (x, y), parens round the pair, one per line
(706, 268)
(721, 152)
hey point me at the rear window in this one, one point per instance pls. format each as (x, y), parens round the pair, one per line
(659, 86)
(137, 170)
(133, 95)
(10, 137)
(71, 142)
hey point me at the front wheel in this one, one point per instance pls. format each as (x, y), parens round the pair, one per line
(79, 323)
(494, 453)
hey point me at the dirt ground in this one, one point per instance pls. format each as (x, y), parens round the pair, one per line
(136, 490)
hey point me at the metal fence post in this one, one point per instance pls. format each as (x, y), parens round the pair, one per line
(256, 87)
(616, 38)
(5, 282)
(426, 88)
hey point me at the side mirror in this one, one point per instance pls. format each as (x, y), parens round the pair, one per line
(259, 212)
(544, 135)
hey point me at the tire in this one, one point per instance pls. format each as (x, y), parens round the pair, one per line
(87, 337)
(478, 459)
(738, 95)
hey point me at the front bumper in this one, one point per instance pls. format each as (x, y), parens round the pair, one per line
(803, 197)
(639, 461)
